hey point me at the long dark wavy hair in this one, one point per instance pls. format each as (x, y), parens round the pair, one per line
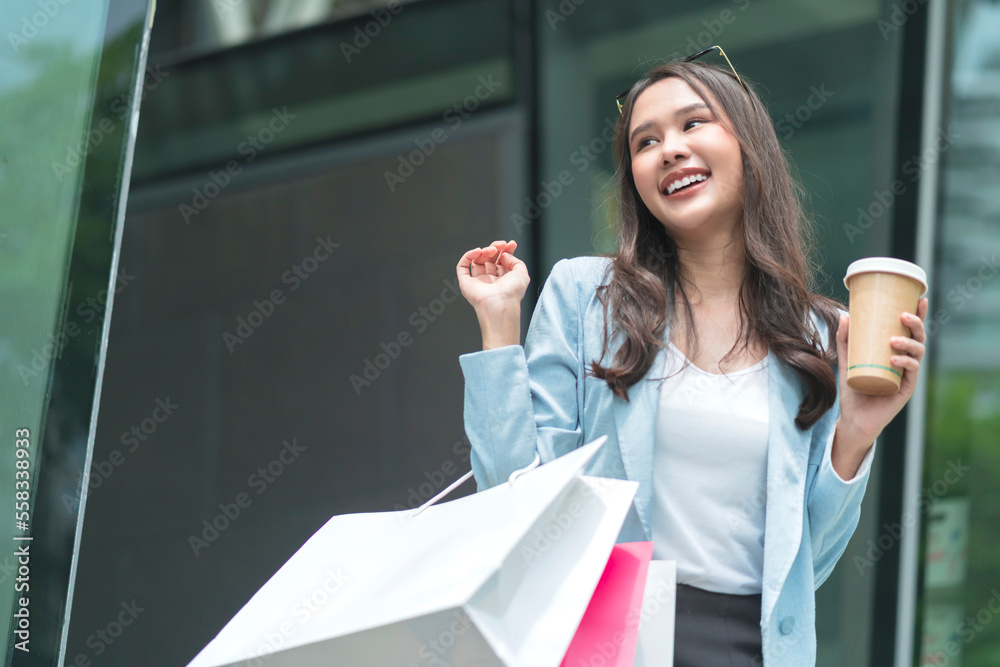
(776, 293)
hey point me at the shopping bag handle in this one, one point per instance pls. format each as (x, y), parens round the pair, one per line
(461, 480)
(531, 466)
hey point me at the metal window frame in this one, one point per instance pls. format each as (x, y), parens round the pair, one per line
(936, 44)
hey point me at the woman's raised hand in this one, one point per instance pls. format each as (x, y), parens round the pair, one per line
(493, 281)
(492, 277)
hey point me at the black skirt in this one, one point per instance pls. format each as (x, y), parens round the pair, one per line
(716, 629)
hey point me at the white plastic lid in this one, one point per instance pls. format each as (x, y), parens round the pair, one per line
(887, 265)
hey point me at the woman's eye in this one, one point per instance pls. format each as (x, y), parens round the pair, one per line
(642, 142)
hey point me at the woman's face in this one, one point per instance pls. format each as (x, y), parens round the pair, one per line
(673, 135)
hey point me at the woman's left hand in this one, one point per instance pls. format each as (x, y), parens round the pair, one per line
(865, 416)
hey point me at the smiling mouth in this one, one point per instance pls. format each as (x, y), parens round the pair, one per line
(691, 186)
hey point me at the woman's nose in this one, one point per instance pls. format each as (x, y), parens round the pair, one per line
(672, 149)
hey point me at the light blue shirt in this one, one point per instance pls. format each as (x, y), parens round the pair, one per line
(510, 412)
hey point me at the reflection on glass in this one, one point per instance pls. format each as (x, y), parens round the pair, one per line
(67, 74)
(960, 605)
(198, 27)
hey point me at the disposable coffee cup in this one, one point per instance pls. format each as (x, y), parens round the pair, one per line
(881, 289)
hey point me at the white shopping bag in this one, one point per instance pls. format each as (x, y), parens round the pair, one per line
(655, 647)
(500, 577)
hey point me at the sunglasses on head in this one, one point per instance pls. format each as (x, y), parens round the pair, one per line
(687, 60)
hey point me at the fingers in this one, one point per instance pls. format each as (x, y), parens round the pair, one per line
(467, 258)
(504, 261)
(504, 246)
(465, 264)
(906, 362)
(491, 260)
(912, 348)
(508, 263)
(915, 325)
(842, 346)
(908, 346)
(497, 249)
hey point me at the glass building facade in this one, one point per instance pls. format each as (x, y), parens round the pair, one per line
(69, 81)
(959, 590)
(306, 177)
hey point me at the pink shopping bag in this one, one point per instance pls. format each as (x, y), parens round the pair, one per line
(608, 632)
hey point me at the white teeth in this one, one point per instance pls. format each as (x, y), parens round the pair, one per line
(687, 180)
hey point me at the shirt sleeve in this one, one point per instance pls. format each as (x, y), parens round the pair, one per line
(863, 469)
(833, 504)
(520, 400)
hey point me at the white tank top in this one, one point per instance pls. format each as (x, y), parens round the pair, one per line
(710, 475)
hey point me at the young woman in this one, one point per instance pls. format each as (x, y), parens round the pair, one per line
(702, 352)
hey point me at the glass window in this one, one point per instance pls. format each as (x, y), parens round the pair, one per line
(68, 76)
(329, 83)
(309, 297)
(189, 27)
(960, 595)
